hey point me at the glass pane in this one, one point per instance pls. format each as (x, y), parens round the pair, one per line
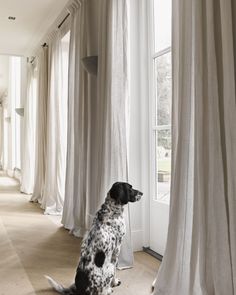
(15, 99)
(162, 24)
(163, 126)
(65, 44)
(163, 164)
(163, 89)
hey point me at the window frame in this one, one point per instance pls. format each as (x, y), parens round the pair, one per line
(153, 55)
(15, 94)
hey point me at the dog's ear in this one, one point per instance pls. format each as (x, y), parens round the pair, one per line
(119, 192)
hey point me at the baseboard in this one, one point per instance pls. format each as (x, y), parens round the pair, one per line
(153, 253)
(137, 240)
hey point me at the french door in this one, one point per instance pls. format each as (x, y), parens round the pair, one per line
(161, 124)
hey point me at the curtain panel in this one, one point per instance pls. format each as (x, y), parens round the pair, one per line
(51, 126)
(28, 155)
(75, 112)
(97, 148)
(54, 186)
(200, 257)
(41, 123)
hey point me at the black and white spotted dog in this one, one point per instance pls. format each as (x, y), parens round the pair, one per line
(100, 249)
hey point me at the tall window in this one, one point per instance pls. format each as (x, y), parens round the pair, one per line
(65, 42)
(162, 98)
(15, 101)
(63, 91)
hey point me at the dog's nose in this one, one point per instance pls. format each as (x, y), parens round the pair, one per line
(139, 195)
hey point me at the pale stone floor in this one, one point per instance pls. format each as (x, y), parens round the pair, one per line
(32, 244)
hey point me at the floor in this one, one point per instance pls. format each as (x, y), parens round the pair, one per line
(33, 244)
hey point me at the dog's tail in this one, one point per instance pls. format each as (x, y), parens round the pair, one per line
(59, 288)
(153, 286)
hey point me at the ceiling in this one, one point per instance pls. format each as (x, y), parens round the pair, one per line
(33, 20)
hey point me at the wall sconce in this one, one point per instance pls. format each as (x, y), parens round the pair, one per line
(90, 64)
(20, 111)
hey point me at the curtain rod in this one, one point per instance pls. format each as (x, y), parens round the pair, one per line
(62, 22)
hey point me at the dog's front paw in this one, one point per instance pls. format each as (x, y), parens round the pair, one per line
(109, 291)
(116, 282)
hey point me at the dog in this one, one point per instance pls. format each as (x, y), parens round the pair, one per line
(95, 274)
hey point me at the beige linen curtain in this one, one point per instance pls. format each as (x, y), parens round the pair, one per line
(41, 123)
(51, 126)
(54, 186)
(29, 123)
(200, 256)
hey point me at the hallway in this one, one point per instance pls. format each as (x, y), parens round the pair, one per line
(33, 244)
(29, 243)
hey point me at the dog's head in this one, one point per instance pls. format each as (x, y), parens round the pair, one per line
(122, 193)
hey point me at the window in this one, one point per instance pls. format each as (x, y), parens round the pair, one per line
(65, 43)
(63, 92)
(161, 101)
(15, 100)
(161, 117)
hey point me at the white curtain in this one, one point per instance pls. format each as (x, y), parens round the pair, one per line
(28, 154)
(49, 186)
(97, 148)
(75, 91)
(54, 183)
(200, 256)
(41, 124)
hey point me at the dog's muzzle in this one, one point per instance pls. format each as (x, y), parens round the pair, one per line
(138, 196)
